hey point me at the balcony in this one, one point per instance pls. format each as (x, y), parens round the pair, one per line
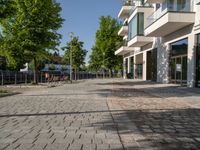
(123, 31)
(154, 1)
(125, 10)
(139, 41)
(169, 18)
(124, 50)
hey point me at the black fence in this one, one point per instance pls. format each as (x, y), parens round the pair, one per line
(10, 77)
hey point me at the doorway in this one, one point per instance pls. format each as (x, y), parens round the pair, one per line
(132, 67)
(178, 62)
(149, 65)
(179, 70)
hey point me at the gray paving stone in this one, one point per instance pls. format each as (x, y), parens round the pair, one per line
(90, 114)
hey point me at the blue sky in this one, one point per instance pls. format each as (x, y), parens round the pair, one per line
(82, 18)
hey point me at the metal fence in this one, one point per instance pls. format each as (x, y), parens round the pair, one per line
(10, 77)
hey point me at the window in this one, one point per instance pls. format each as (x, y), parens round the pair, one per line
(179, 47)
(136, 26)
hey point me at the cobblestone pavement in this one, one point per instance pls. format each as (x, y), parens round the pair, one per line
(70, 117)
(102, 115)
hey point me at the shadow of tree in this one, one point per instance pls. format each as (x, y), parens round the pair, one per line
(131, 82)
(151, 90)
(161, 129)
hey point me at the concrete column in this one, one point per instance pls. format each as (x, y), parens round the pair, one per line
(162, 62)
(129, 64)
(144, 66)
(167, 79)
(124, 68)
(191, 61)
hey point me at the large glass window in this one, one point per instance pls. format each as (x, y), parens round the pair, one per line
(176, 5)
(136, 26)
(179, 47)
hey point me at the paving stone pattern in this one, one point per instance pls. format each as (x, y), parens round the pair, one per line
(111, 114)
(69, 117)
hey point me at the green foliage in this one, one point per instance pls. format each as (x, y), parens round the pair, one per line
(40, 64)
(78, 53)
(7, 8)
(52, 67)
(31, 31)
(95, 62)
(2, 63)
(3, 91)
(107, 42)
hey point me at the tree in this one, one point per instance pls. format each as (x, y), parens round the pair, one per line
(52, 67)
(31, 32)
(75, 47)
(7, 8)
(107, 42)
(95, 62)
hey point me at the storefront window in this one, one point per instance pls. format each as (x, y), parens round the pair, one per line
(179, 61)
(179, 47)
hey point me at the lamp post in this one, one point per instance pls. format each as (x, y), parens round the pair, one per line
(71, 35)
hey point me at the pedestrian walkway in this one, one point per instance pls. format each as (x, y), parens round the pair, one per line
(110, 114)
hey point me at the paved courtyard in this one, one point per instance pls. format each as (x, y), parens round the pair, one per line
(111, 114)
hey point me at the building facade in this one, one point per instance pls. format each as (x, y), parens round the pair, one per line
(161, 40)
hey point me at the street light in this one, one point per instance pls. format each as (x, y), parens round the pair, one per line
(71, 35)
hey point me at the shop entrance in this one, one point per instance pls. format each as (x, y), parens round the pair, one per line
(179, 70)
(178, 65)
(139, 66)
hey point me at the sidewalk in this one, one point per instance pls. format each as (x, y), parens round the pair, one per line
(156, 116)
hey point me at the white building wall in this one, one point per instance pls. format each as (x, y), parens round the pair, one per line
(144, 75)
(191, 61)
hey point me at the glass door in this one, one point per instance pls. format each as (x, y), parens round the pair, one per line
(132, 67)
(179, 70)
(184, 70)
(139, 71)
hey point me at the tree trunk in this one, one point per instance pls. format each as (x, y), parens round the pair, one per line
(35, 80)
(110, 75)
(75, 73)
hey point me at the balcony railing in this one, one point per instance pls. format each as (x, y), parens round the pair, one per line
(139, 3)
(128, 3)
(168, 7)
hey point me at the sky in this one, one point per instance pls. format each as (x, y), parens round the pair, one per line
(82, 18)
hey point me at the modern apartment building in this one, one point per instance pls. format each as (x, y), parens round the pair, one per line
(162, 40)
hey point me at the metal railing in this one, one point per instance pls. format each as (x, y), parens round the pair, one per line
(139, 3)
(128, 2)
(168, 7)
(11, 77)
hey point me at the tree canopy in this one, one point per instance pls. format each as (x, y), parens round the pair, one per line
(78, 53)
(30, 32)
(107, 42)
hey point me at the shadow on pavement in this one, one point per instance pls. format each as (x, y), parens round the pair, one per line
(129, 83)
(149, 90)
(161, 129)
